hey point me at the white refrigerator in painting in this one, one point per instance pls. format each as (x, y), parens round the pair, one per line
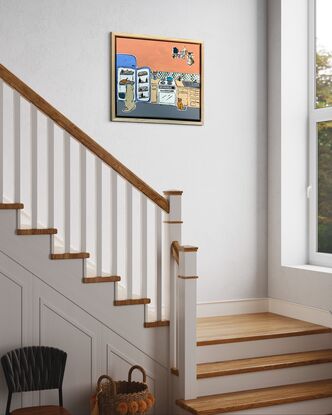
(143, 84)
(140, 77)
(124, 75)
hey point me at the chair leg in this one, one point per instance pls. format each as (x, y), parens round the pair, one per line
(60, 397)
(9, 400)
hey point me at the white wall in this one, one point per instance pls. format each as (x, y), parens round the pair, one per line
(62, 49)
(290, 278)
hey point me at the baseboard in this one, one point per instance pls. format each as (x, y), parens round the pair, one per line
(229, 307)
(261, 305)
(301, 312)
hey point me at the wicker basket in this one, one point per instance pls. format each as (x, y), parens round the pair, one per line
(124, 397)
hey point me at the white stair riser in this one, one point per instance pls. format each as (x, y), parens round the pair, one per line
(243, 350)
(313, 407)
(263, 379)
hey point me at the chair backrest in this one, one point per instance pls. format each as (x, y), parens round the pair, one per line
(34, 368)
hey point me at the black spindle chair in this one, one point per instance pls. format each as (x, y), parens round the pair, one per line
(34, 368)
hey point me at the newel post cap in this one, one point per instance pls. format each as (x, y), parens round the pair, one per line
(173, 192)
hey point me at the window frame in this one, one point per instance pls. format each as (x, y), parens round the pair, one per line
(316, 115)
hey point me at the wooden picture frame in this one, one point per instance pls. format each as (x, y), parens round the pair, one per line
(156, 79)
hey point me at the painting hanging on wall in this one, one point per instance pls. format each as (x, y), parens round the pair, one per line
(157, 80)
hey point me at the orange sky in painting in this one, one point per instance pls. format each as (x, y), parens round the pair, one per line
(157, 54)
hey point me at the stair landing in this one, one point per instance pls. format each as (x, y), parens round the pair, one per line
(246, 327)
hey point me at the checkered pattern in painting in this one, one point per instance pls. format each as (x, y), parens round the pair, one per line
(191, 77)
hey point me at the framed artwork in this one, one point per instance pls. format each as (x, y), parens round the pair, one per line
(157, 79)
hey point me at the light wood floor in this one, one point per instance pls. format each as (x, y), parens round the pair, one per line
(244, 327)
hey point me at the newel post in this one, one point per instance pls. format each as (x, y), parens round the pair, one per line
(187, 302)
(173, 232)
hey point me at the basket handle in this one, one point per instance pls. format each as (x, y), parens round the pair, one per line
(140, 369)
(110, 380)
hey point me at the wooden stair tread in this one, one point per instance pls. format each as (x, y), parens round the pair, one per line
(70, 255)
(158, 323)
(246, 327)
(94, 280)
(133, 301)
(46, 231)
(5, 206)
(175, 371)
(231, 367)
(257, 398)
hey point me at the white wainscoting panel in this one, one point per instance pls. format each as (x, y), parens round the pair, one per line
(59, 330)
(11, 302)
(34, 313)
(15, 320)
(118, 364)
(119, 357)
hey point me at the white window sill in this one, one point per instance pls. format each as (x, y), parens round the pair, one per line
(313, 268)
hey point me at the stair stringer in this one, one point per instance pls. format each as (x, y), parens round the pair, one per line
(32, 253)
(33, 313)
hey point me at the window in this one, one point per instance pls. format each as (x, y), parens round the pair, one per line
(320, 115)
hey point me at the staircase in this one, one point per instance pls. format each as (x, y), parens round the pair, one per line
(69, 209)
(132, 205)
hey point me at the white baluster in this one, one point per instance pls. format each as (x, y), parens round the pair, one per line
(83, 205)
(159, 284)
(114, 223)
(173, 224)
(187, 304)
(1, 141)
(129, 239)
(34, 167)
(177, 315)
(50, 151)
(83, 198)
(17, 152)
(144, 247)
(99, 221)
(67, 236)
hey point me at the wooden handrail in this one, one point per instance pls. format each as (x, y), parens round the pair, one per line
(75, 132)
(176, 248)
